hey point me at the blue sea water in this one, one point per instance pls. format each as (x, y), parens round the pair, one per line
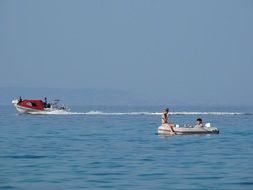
(123, 151)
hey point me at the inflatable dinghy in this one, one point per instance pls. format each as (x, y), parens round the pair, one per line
(207, 129)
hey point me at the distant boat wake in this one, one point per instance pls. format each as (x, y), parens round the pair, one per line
(63, 112)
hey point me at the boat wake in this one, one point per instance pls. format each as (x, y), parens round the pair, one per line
(64, 112)
(54, 112)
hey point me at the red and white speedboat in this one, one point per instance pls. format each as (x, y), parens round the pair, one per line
(37, 106)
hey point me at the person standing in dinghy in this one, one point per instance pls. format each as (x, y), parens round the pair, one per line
(165, 120)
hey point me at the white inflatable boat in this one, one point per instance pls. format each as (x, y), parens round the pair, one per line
(207, 129)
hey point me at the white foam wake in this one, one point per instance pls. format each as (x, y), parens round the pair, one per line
(55, 112)
(62, 112)
(207, 113)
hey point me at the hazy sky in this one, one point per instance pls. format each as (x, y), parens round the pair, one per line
(181, 51)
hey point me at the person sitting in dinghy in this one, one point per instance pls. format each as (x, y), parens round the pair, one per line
(165, 120)
(199, 123)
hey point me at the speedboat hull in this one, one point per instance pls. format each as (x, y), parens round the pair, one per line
(165, 129)
(21, 109)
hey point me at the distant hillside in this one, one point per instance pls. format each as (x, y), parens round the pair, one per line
(71, 96)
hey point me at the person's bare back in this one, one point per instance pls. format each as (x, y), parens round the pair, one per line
(165, 120)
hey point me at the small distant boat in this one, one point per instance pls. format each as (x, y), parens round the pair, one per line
(207, 129)
(37, 106)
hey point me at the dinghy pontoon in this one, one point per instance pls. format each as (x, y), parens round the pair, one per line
(207, 129)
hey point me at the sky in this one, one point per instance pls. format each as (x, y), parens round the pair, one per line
(185, 52)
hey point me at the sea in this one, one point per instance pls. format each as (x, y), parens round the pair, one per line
(117, 147)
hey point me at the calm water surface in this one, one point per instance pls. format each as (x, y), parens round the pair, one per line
(62, 152)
